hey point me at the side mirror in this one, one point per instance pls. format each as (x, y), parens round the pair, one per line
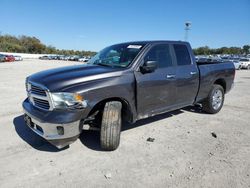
(148, 66)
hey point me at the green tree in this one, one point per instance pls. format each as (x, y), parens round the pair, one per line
(202, 51)
(246, 49)
(26, 44)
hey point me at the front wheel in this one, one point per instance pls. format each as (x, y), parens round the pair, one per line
(111, 126)
(248, 67)
(215, 100)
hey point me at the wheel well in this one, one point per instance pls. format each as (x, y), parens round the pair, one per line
(222, 83)
(127, 114)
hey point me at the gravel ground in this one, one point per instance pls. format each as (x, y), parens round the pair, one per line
(183, 154)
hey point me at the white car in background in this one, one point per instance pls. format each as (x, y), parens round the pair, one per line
(237, 65)
(18, 58)
(245, 63)
(236, 62)
(83, 59)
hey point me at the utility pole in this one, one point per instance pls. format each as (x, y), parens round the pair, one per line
(187, 28)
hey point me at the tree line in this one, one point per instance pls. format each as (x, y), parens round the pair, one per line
(205, 50)
(26, 44)
(32, 45)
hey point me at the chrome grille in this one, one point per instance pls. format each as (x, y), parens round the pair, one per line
(37, 90)
(41, 103)
(38, 96)
(26, 85)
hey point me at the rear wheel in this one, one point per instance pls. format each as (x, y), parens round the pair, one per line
(248, 67)
(111, 125)
(215, 100)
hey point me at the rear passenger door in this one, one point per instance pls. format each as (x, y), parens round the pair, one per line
(187, 75)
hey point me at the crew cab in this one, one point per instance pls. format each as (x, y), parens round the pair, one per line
(123, 82)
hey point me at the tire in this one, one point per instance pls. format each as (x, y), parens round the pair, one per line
(215, 100)
(248, 67)
(111, 126)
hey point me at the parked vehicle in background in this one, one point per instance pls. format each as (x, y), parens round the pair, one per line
(9, 58)
(123, 82)
(236, 62)
(18, 58)
(2, 58)
(60, 57)
(245, 63)
(206, 60)
(83, 59)
(201, 59)
(66, 58)
(75, 58)
(54, 57)
(71, 58)
(45, 57)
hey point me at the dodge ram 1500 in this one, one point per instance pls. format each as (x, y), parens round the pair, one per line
(123, 82)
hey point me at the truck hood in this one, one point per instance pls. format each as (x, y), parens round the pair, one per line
(60, 79)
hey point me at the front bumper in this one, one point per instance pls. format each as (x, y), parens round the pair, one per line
(59, 134)
(244, 66)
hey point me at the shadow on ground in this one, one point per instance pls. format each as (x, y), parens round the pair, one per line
(194, 109)
(91, 139)
(30, 137)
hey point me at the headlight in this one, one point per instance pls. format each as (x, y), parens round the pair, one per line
(68, 100)
(27, 85)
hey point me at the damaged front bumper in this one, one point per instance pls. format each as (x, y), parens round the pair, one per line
(58, 133)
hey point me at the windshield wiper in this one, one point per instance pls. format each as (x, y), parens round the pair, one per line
(108, 64)
(102, 64)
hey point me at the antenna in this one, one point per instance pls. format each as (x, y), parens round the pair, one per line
(187, 28)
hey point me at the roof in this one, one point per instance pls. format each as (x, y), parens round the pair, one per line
(153, 42)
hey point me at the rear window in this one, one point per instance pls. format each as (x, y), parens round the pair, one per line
(182, 54)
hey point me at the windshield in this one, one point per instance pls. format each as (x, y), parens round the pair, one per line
(120, 55)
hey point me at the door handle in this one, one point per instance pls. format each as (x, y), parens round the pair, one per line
(170, 76)
(193, 73)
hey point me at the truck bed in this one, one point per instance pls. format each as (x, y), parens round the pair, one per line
(212, 72)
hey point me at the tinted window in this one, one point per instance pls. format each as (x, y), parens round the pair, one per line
(182, 54)
(161, 54)
(120, 55)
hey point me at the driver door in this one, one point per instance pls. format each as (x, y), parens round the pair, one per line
(156, 91)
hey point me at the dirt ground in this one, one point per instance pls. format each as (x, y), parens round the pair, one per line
(183, 154)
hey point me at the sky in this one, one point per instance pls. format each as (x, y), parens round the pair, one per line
(95, 24)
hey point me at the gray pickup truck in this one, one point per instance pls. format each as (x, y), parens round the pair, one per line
(123, 82)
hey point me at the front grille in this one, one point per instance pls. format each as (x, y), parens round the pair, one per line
(26, 85)
(41, 103)
(38, 97)
(37, 90)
